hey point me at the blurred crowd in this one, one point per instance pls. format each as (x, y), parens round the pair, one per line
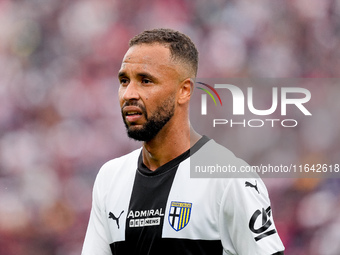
(60, 119)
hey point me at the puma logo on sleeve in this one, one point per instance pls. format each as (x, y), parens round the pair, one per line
(248, 184)
(112, 216)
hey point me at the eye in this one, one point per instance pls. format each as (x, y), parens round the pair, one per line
(146, 81)
(123, 81)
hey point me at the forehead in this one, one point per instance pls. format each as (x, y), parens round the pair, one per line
(148, 56)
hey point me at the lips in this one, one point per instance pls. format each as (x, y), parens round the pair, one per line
(132, 113)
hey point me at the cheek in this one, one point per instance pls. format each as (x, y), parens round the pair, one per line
(120, 96)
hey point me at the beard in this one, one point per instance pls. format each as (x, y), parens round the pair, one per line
(154, 123)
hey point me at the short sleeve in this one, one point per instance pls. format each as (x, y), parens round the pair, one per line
(246, 219)
(96, 241)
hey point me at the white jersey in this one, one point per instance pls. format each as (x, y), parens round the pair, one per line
(138, 211)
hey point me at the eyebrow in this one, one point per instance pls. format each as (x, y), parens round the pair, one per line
(147, 75)
(121, 74)
(143, 75)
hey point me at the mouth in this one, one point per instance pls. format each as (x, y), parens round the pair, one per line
(132, 114)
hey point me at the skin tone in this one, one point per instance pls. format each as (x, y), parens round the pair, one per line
(149, 77)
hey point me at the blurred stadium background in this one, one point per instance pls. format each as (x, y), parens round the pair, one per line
(60, 119)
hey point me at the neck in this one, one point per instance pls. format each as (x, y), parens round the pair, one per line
(168, 144)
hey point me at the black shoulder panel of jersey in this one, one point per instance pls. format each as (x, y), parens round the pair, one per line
(279, 253)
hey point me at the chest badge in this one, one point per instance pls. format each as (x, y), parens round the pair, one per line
(179, 214)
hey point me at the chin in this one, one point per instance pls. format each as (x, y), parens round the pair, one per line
(140, 134)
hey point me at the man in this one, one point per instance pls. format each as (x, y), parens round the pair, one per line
(145, 202)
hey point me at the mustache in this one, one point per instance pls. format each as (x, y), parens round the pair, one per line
(132, 103)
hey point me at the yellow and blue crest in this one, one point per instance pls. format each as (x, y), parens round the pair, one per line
(179, 214)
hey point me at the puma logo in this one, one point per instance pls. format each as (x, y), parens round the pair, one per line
(112, 216)
(248, 184)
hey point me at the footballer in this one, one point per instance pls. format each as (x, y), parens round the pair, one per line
(145, 202)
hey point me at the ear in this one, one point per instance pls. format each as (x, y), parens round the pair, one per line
(185, 91)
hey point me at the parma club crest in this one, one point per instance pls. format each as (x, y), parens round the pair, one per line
(179, 215)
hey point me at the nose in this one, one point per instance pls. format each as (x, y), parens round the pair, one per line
(129, 92)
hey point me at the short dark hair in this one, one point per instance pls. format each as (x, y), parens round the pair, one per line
(180, 45)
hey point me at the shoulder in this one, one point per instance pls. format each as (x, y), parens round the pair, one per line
(213, 160)
(215, 152)
(119, 166)
(130, 157)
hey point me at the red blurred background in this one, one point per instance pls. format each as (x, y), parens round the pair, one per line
(60, 119)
